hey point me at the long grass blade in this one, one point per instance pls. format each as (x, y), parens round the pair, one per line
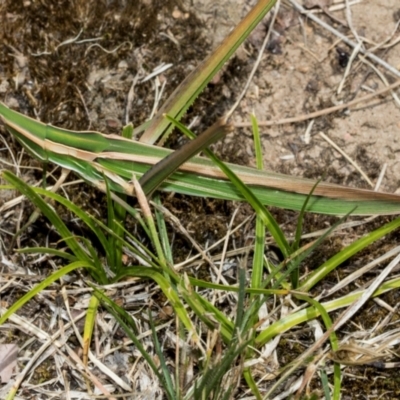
(185, 94)
(284, 324)
(346, 253)
(42, 285)
(261, 211)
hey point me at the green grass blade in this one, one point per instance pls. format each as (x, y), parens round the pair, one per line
(334, 344)
(115, 218)
(299, 317)
(325, 385)
(204, 309)
(252, 384)
(89, 326)
(297, 258)
(118, 214)
(185, 94)
(49, 213)
(169, 386)
(47, 250)
(42, 285)
(346, 253)
(261, 211)
(259, 246)
(163, 231)
(294, 276)
(209, 285)
(300, 219)
(240, 301)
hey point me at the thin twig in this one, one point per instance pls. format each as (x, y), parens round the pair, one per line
(380, 178)
(350, 23)
(108, 51)
(382, 77)
(345, 39)
(129, 99)
(84, 106)
(257, 63)
(347, 157)
(325, 111)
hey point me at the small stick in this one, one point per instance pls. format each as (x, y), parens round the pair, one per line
(352, 162)
(350, 23)
(84, 106)
(129, 99)
(325, 111)
(380, 179)
(259, 57)
(382, 77)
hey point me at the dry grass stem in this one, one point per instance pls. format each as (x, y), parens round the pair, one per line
(348, 158)
(325, 111)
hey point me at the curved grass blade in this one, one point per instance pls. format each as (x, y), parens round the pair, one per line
(345, 254)
(47, 250)
(301, 316)
(334, 344)
(49, 213)
(42, 285)
(71, 240)
(261, 211)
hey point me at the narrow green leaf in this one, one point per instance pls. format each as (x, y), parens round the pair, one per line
(259, 246)
(284, 324)
(199, 177)
(163, 362)
(42, 285)
(261, 211)
(346, 253)
(49, 213)
(89, 326)
(185, 94)
(47, 250)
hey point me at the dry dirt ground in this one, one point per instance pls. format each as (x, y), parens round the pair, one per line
(72, 64)
(302, 72)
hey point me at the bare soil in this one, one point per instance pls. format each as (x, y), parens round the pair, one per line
(300, 73)
(72, 64)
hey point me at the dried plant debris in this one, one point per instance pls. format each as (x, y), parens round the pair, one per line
(75, 63)
(316, 3)
(8, 361)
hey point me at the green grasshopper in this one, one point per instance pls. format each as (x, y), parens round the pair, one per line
(97, 157)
